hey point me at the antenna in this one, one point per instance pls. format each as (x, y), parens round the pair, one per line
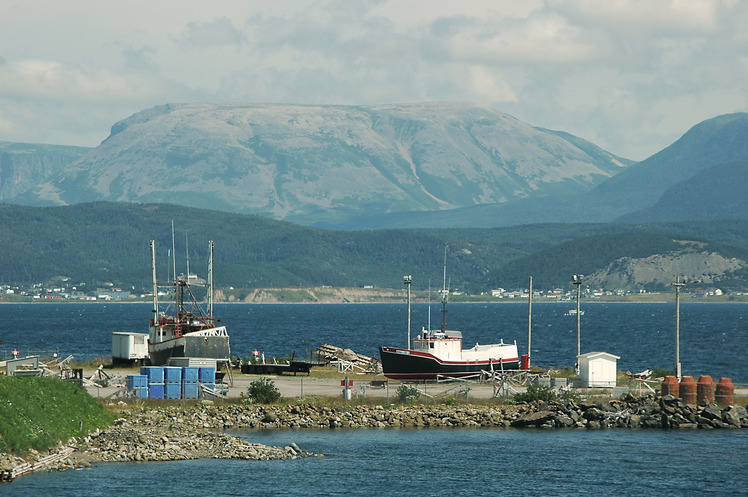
(210, 278)
(429, 300)
(174, 255)
(187, 249)
(155, 285)
(445, 293)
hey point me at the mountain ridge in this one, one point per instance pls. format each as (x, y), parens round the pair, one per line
(313, 164)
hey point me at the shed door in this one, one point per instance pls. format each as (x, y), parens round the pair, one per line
(597, 372)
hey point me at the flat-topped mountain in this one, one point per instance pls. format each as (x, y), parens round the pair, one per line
(323, 165)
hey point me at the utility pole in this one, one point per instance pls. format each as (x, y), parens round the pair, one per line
(577, 280)
(406, 281)
(529, 323)
(677, 286)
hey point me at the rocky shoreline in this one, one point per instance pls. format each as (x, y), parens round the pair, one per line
(631, 412)
(199, 431)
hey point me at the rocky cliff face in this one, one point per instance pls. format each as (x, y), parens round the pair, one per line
(23, 166)
(316, 164)
(693, 265)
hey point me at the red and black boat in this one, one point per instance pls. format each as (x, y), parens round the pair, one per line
(439, 354)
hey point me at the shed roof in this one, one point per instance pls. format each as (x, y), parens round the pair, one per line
(593, 355)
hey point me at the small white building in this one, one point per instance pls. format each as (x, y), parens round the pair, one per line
(598, 369)
(129, 347)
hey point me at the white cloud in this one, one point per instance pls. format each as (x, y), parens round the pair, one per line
(629, 75)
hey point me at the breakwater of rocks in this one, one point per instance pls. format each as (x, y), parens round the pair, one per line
(161, 436)
(631, 412)
(171, 433)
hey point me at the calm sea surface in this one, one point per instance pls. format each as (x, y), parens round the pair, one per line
(436, 462)
(714, 340)
(713, 337)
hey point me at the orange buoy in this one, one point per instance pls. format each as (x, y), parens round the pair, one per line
(670, 386)
(724, 393)
(688, 389)
(705, 390)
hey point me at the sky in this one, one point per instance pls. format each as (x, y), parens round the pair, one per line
(631, 76)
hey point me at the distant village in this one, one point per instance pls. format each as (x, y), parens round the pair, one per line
(107, 291)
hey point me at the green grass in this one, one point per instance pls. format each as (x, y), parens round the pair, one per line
(37, 413)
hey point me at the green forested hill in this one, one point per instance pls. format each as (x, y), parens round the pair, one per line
(592, 255)
(108, 242)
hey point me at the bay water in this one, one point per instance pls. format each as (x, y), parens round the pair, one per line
(713, 337)
(436, 462)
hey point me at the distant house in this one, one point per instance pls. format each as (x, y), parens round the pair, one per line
(113, 294)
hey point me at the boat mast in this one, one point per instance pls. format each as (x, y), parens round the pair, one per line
(445, 293)
(429, 328)
(155, 285)
(174, 262)
(529, 323)
(210, 279)
(187, 249)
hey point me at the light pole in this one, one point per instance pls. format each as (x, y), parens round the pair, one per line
(677, 286)
(406, 281)
(529, 324)
(577, 280)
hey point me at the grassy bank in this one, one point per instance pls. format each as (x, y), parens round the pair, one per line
(37, 413)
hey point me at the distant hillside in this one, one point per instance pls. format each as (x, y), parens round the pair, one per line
(717, 141)
(24, 165)
(326, 165)
(627, 261)
(720, 140)
(717, 192)
(99, 243)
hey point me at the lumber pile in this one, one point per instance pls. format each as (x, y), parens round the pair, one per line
(335, 354)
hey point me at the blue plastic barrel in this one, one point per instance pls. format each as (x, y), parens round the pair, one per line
(206, 375)
(172, 374)
(156, 391)
(155, 374)
(172, 390)
(190, 390)
(134, 381)
(189, 374)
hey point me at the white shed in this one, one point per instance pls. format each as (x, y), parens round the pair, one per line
(129, 347)
(598, 369)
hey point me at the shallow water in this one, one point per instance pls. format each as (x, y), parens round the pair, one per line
(437, 462)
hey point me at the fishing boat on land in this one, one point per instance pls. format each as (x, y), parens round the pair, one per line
(437, 354)
(183, 329)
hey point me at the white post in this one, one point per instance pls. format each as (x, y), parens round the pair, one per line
(577, 280)
(210, 279)
(407, 280)
(529, 324)
(677, 286)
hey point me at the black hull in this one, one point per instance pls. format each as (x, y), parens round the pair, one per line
(402, 364)
(213, 347)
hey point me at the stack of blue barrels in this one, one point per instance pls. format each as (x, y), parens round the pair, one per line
(190, 387)
(168, 382)
(155, 375)
(138, 384)
(207, 377)
(172, 382)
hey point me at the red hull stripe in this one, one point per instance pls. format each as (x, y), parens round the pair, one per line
(426, 355)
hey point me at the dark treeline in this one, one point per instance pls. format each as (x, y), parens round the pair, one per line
(99, 242)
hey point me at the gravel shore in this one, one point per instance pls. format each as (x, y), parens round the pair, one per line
(194, 431)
